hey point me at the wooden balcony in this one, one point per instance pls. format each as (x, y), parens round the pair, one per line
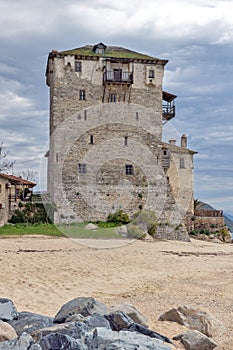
(117, 76)
(169, 111)
(168, 106)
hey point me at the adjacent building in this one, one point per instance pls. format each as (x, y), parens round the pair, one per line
(13, 189)
(107, 111)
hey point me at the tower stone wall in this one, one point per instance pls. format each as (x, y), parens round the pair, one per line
(106, 150)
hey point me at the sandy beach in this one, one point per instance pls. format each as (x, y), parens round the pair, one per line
(40, 274)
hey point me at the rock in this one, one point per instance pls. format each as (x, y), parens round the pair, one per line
(7, 309)
(148, 238)
(227, 238)
(202, 237)
(121, 230)
(75, 318)
(35, 347)
(106, 339)
(152, 334)
(96, 320)
(7, 332)
(91, 226)
(29, 322)
(195, 340)
(85, 306)
(24, 342)
(56, 341)
(194, 319)
(119, 320)
(130, 311)
(75, 330)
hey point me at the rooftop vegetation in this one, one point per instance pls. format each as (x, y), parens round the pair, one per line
(113, 53)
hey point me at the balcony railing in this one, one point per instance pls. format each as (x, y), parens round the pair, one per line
(118, 76)
(168, 111)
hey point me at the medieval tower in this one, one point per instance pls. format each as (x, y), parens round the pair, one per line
(107, 110)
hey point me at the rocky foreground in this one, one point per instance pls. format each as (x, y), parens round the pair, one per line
(87, 324)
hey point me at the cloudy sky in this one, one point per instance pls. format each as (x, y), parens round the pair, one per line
(196, 36)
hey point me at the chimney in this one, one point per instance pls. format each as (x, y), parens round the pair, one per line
(172, 142)
(183, 141)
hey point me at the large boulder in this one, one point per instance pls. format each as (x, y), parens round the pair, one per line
(194, 340)
(96, 320)
(85, 306)
(91, 226)
(24, 342)
(131, 312)
(7, 309)
(7, 332)
(199, 320)
(121, 230)
(29, 322)
(119, 320)
(138, 328)
(56, 341)
(106, 339)
(75, 330)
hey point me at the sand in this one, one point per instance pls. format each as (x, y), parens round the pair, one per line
(41, 274)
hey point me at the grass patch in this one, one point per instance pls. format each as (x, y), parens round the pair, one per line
(30, 229)
(79, 231)
(75, 230)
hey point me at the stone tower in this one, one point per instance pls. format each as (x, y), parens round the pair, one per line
(107, 110)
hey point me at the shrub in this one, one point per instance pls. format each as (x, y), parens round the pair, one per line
(34, 213)
(135, 231)
(153, 229)
(146, 220)
(224, 234)
(104, 224)
(21, 204)
(119, 217)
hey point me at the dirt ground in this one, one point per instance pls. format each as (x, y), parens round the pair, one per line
(41, 274)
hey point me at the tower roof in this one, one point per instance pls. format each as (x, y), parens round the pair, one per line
(108, 52)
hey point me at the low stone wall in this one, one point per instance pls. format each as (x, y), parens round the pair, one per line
(208, 223)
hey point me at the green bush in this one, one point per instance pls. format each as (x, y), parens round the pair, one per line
(146, 220)
(33, 213)
(119, 217)
(153, 229)
(135, 231)
(105, 224)
(224, 234)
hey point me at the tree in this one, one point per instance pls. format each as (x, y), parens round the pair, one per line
(5, 164)
(29, 175)
(198, 205)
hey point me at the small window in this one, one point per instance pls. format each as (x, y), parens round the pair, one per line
(165, 152)
(0, 188)
(78, 66)
(82, 168)
(85, 114)
(113, 98)
(129, 169)
(137, 116)
(151, 73)
(92, 139)
(82, 95)
(126, 140)
(99, 51)
(182, 165)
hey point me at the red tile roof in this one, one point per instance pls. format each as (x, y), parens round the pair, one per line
(18, 180)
